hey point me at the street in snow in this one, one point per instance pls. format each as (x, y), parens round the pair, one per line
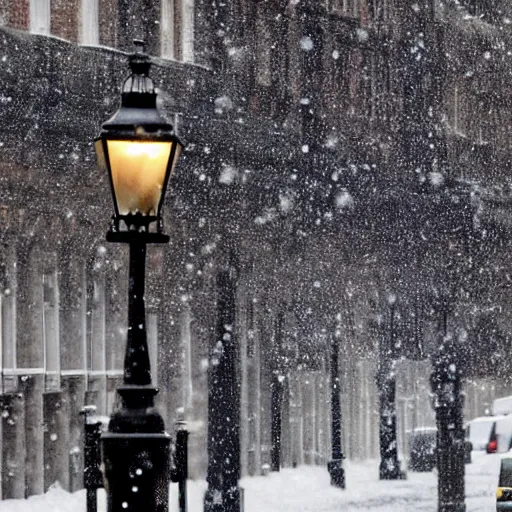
(307, 489)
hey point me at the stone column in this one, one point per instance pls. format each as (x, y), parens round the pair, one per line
(73, 304)
(12, 405)
(265, 383)
(56, 461)
(296, 420)
(202, 325)
(254, 390)
(245, 412)
(115, 328)
(309, 415)
(96, 341)
(29, 356)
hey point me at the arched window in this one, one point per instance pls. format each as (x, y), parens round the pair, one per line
(8, 322)
(51, 342)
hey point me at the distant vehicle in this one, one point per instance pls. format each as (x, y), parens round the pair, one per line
(502, 433)
(468, 448)
(478, 432)
(422, 449)
(502, 406)
(504, 490)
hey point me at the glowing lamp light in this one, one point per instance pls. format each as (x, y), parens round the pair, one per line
(139, 150)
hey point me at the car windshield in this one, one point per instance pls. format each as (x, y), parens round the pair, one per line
(480, 430)
(506, 473)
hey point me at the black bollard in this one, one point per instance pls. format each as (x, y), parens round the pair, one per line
(93, 478)
(181, 464)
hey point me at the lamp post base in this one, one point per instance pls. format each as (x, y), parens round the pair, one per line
(216, 500)
(335, 468)
(452, 507)
(391, 471)
(137, 469)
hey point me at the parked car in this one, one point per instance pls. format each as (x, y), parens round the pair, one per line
(422, 449)
(504, 490)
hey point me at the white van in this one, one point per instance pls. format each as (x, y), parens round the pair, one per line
(503, 433)
(502, 406)
(478, 431)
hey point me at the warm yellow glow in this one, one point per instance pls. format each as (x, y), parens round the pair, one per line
(499, 492)
(138, 174)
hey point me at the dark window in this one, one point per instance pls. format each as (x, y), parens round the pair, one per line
(506, 473)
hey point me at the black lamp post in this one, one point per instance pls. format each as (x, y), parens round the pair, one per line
(138, 149)
(448, 402)
(335, 465)
(389, 468)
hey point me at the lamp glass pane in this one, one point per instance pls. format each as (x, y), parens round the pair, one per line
(138, 174)
(177, 155)
(100, 155)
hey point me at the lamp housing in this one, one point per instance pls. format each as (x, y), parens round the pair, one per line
(138, 149)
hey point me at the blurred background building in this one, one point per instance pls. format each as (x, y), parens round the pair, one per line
(342, 150)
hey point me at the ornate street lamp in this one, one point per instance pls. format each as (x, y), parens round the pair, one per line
(139, 150)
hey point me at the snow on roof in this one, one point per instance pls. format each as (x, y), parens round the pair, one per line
(486, 419)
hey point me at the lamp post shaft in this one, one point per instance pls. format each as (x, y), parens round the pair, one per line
(223, 493)
(450, 451)
(136, 364)
(335, 465)
(335, 403)
(276, 397)
(389, 468)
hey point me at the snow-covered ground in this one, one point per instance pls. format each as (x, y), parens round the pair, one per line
(307, 489)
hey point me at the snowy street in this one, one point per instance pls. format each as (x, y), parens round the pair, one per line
(307, 489)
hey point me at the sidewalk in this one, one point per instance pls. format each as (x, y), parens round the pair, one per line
(307, 489)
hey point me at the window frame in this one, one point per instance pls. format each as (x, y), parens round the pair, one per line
(40, 17)
(89, 22)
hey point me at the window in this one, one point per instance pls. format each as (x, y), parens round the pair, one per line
(51, 331)
(263, 46)
(8, 322)
(167, 37)
(349, 8)
(250, 328)
(186, 347)
(40, 16)
(177, 30)
(96, 356)
(152, 333)
(187, 30)
(89, 33)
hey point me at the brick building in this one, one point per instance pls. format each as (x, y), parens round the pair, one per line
(333, 145)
